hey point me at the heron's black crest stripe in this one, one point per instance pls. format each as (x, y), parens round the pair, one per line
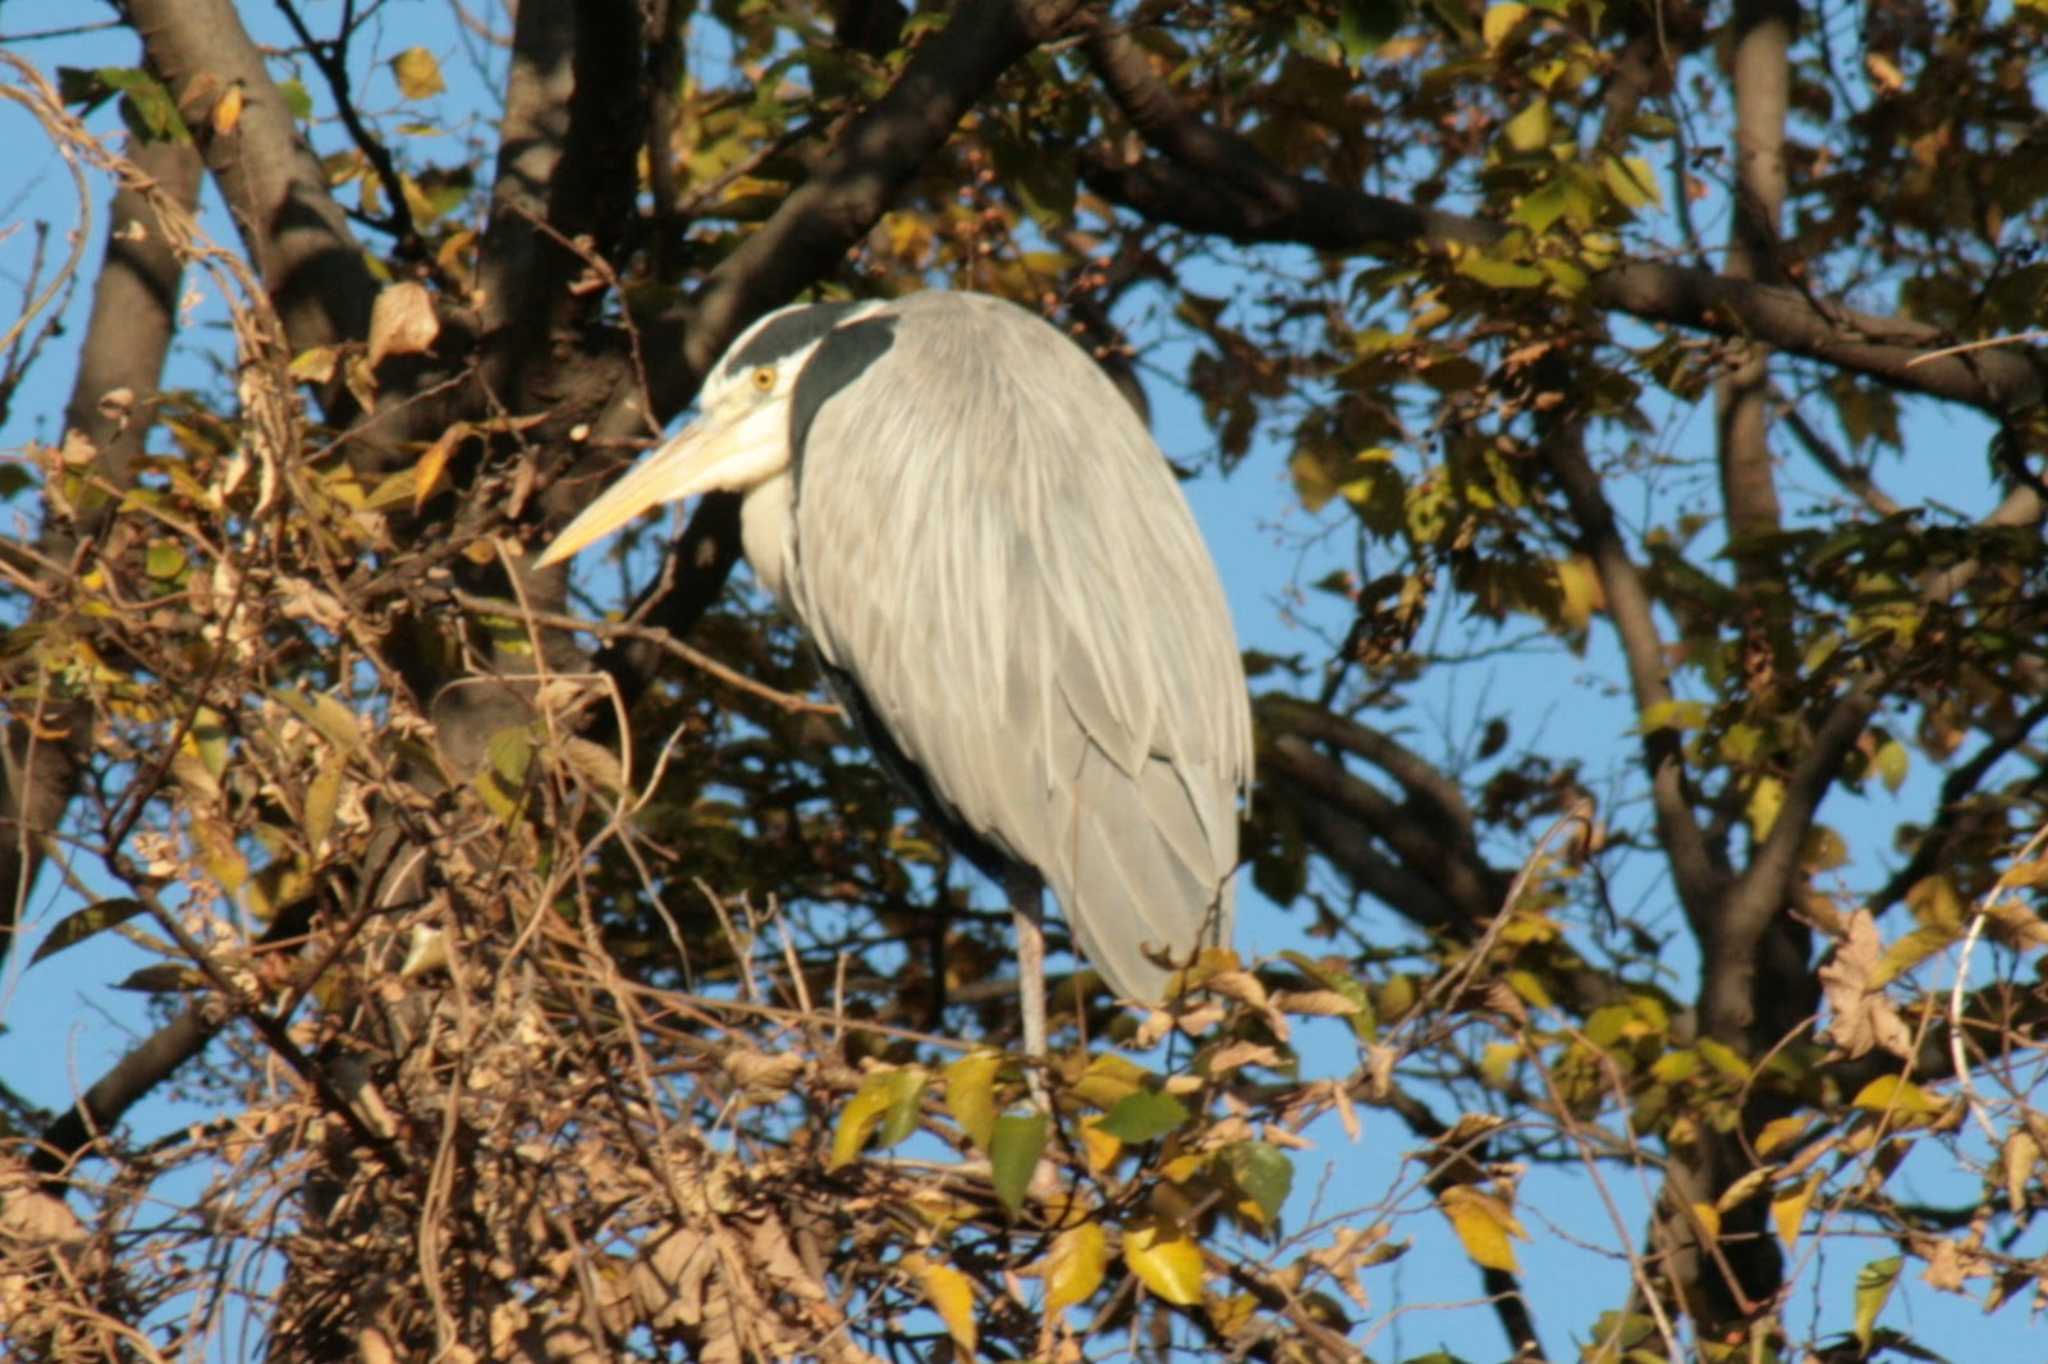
(787, 335)
(843, 357)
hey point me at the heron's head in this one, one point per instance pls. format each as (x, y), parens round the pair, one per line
(742, 437)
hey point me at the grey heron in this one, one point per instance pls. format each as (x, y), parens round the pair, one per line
(1008, 594)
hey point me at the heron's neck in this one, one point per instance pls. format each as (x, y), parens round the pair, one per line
(768, 534)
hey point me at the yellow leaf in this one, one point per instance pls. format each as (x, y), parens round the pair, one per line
(427, 474)
(1788, 1214)
(1672, 715)
(419, 75)
(1724, 1059)
(1165, 1259)
(1500, 22)
(951, 1296)
(228, 111)
(1312, 481)
(1780, 1132)
(1073, 1267)
(1099, 1146)
(1579, 584)
(1764, 803)
(880, 1092)
(1110, 1079)
(970, 1094)
(1892, 762)
(1709, 1218)
(1484, 1224)
(1890, 1094)
(1529, 131)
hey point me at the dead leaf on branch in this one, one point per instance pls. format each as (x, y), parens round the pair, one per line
(1861, 1017)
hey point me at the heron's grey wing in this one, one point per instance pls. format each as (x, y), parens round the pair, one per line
(991, 547)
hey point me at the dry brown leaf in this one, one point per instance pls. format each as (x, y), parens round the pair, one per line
(402, 321)
(1860, 1015)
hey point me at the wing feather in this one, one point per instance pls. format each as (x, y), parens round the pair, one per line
(991, 547)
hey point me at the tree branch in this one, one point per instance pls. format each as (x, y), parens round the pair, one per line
(1696, 872)
(309, 261)
(1214, 182)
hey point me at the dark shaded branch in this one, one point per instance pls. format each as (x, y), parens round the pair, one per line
(295, 232)
(1214, 182)
(571, 133)
(120, 1089)
(1956, 788)
(331, 57)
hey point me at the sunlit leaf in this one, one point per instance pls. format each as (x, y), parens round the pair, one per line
(1500, 22)
(1788, 1212)
(970, 1094)
(951, 1295)
(1165, 1259)
(1529, 130)
(1074, 1266)
(880, 1094)
(418, 73)
(1873, 1288)
(1484, 1225)
(1109, 1079)
(1890, 1094)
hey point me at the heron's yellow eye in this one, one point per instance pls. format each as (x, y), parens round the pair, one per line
(763, 379)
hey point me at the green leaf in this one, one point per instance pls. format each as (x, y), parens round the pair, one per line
(1013, 1155)
(1263, 1173)
(1364, 26)
(1140, 1117)
(76, 927)
(1496, 273)
(1631, 181)
(1873, 1287)
(334, 721)
(164, 559)
(296, 100)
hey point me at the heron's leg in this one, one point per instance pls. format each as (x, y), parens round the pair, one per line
(1027, 909)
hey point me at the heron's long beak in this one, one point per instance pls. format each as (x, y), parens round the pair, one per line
(716, 453)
